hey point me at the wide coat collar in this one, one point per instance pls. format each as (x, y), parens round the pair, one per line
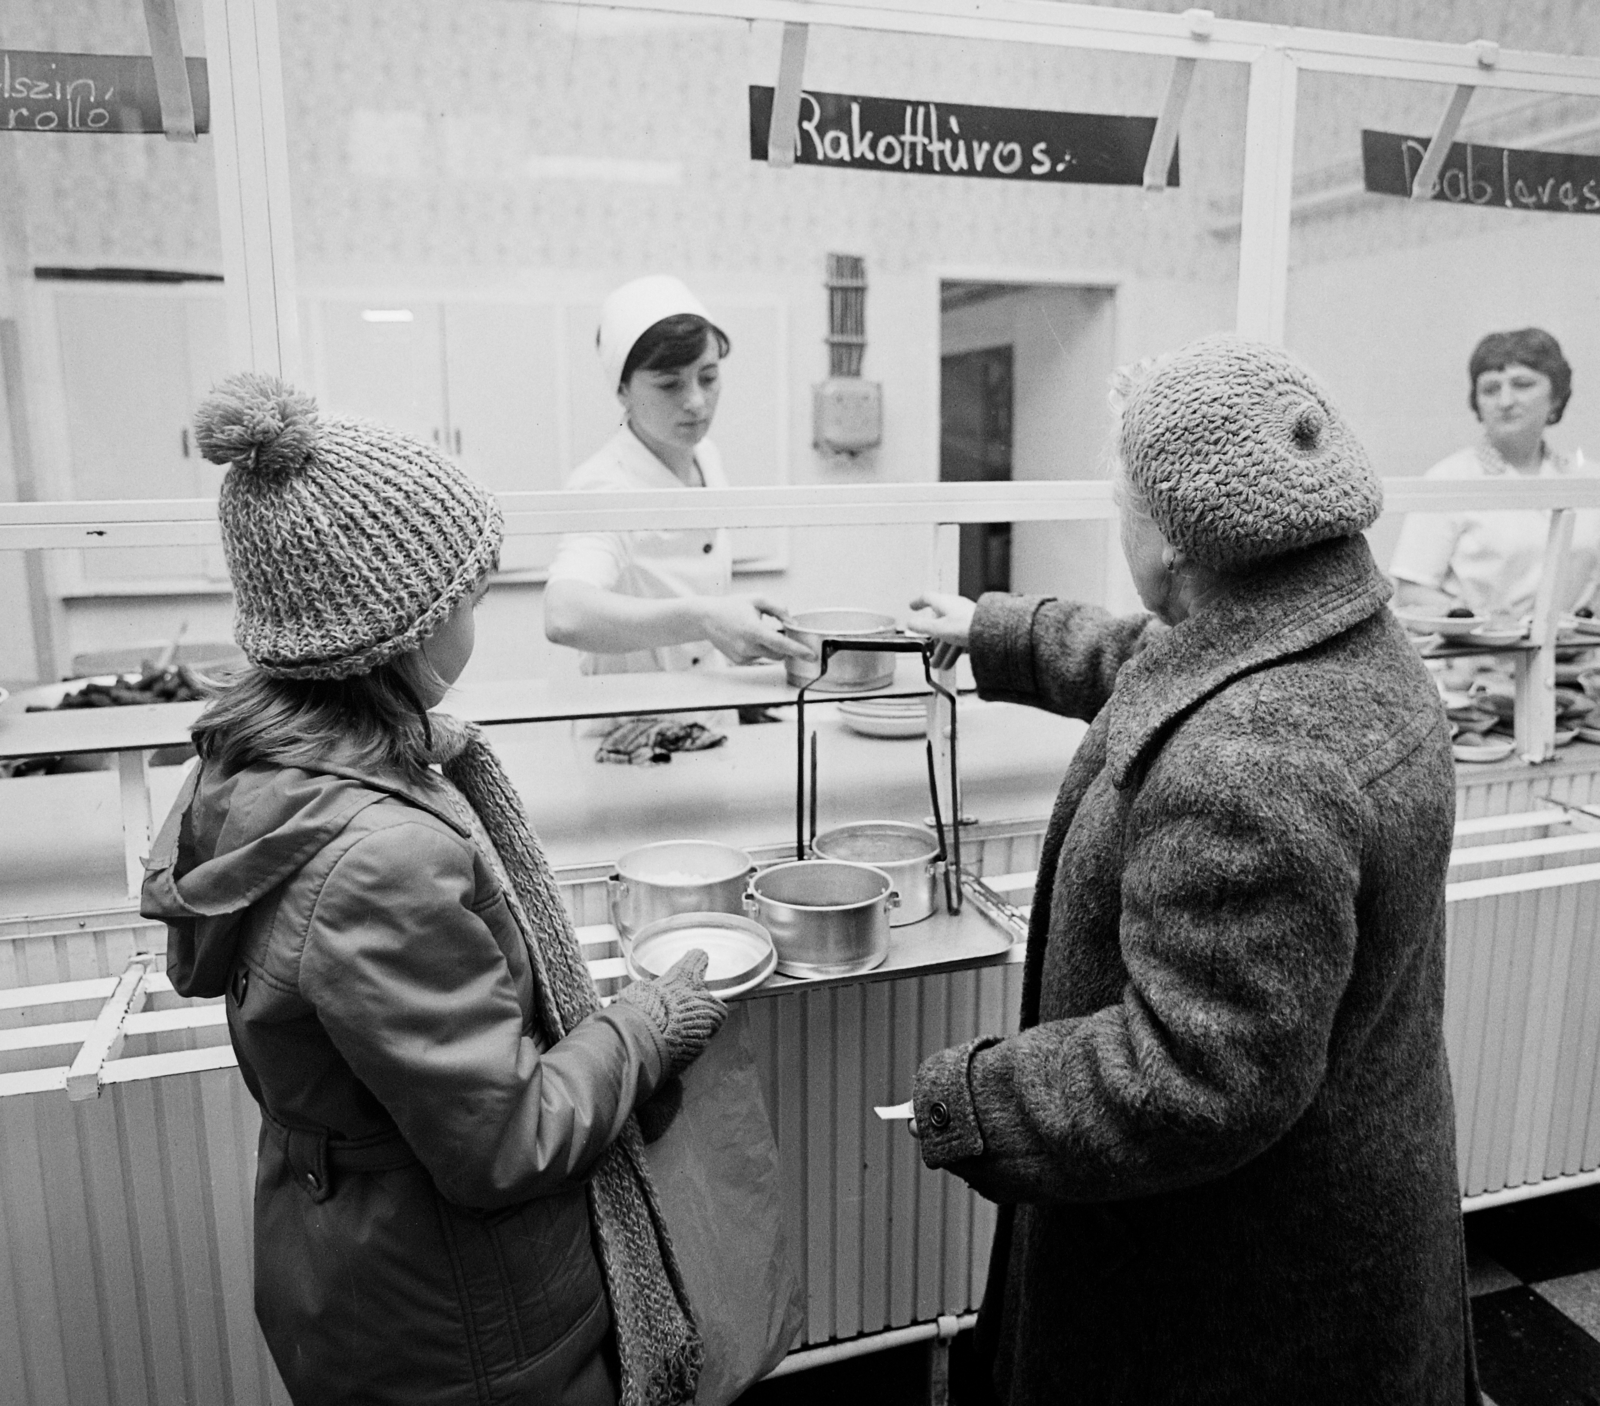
(1284, 608)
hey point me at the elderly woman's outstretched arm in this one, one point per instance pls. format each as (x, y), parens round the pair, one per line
(1053, 654)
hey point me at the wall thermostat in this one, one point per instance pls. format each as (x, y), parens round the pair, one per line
(847, 415)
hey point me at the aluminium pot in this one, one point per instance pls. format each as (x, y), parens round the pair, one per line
(908, 854)
(676, 876)
(848, 669)
(826, 917)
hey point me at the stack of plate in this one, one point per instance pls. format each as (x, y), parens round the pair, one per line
(885, 717)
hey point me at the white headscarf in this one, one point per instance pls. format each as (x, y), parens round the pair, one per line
(632, 310)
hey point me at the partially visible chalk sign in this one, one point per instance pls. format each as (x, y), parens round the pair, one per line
(954, 139)
(1560, 182)
(42, 92)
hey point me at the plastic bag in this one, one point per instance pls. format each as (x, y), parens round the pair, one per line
(716, 1176)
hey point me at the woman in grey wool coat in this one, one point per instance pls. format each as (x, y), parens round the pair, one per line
(1223, 1141)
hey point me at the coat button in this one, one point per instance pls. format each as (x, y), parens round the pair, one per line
(706, 548)
(938, 1114)
(313, 1181)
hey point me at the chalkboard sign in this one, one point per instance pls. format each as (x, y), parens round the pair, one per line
(1559, 182)
(953, 139)
(42, 92)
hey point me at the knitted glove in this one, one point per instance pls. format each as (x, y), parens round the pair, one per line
(679, 1006)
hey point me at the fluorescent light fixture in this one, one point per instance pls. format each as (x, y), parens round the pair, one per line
(386, 315)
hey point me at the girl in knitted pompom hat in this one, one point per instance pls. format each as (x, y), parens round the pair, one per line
(1223, 1140)
(451, 1202)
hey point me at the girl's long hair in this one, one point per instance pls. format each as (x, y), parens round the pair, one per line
(371, 722)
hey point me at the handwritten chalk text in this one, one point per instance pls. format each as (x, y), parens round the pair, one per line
(89, 93)
(1562, 183)
(952, 139)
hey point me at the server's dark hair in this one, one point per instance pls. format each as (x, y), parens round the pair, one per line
(674, 342)
(1528, 346)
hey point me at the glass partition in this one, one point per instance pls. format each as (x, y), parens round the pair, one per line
(111, 329)
(1388, 296)
(469, 182)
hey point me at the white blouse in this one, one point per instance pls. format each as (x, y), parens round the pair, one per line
(1492, 561)
(649, 564)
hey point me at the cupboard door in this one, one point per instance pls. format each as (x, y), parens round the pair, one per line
(383, 360)
(502, 374)
(129, 401)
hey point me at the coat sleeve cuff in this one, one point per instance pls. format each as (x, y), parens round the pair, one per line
(947, 1120)
(1001, 645)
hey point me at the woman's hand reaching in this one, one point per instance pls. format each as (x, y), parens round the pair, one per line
(949, 627)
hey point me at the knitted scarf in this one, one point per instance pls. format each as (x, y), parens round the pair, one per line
(657, 1341)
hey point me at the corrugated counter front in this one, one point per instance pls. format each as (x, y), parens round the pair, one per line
(126, 1209)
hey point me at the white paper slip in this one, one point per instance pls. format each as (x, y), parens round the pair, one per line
(889, 1112)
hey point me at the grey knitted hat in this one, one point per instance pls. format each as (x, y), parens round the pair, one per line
(348, 543)
(1242, 456)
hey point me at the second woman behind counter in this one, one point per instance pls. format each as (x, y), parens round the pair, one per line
(1491, 562)
(653, 601)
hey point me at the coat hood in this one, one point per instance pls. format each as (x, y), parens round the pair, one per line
(234, 836)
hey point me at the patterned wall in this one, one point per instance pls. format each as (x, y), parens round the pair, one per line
(488, 134)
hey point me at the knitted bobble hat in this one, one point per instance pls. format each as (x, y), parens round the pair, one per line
(348, 543)
(1242, 456)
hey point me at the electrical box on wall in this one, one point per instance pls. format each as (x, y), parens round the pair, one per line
(847, 415)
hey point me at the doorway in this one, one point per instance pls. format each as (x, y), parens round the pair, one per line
(1022, 396)
(975, 446)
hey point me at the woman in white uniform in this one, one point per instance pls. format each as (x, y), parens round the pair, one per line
(657, 600)
(1491, 561)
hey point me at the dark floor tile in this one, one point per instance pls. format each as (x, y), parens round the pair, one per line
(898, 1377)
(1530, 1354)
(1548, 1237)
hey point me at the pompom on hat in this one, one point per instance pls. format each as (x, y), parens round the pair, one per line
(632, 310)
(348, 543)
(1241, 455)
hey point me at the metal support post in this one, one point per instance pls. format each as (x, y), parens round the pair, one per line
(1426, 181)
(133, 782)
(1268, 189)
(251, 155)
(782, 131)
(1164, 140)
(1536, 671)
(172, 70)
(944, 575)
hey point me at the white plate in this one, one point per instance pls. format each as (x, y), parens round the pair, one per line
(1566, 735)
(873, 722)
(1495, 751)
(1492, 635)
(1589, 734)
(1450, 626)
(740, 951)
